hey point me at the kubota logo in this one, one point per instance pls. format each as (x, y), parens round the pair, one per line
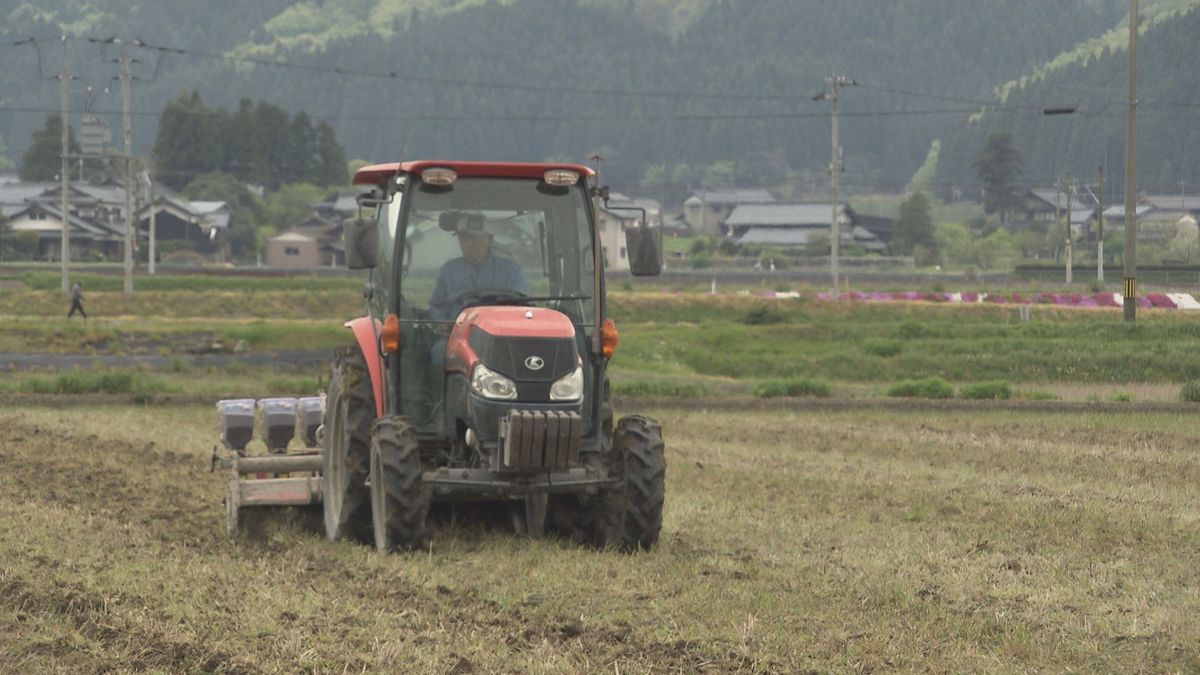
(534, 363)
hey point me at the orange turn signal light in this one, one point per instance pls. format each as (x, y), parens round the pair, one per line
(389, 337)
(608, 338)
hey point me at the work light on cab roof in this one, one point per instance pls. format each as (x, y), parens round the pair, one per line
(561, 177)
(439, 176)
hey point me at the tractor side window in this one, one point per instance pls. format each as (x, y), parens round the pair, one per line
(386, 217)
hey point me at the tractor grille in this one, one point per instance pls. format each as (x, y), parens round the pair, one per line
(536, 439)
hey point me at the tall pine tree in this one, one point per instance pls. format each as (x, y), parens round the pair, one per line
(188, 142)
(1000, 166)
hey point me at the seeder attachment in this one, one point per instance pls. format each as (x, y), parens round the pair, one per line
(281, 477)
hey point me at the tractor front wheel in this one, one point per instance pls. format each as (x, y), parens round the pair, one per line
(635, 504)
(349, 410)
(399, 498)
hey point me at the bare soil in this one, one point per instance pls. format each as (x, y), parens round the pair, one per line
(168, 509)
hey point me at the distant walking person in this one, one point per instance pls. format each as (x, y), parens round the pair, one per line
(76, 301)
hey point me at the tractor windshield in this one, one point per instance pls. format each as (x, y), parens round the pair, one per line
(496, 241)
(482, 241)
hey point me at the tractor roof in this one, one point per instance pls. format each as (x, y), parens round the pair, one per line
(378, 174)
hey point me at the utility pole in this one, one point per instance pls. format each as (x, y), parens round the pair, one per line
(1070, 234)
(126, 95)
(148, 181)
(64, 82)
(836, 82)
(1100, 232)
(1130, 304)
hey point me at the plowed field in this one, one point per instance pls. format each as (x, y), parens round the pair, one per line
(826, 540)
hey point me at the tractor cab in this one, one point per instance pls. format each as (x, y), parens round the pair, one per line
(488, 276)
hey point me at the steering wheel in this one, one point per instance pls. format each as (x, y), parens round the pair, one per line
(490, 296)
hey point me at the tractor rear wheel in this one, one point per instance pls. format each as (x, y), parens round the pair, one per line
(635, 504)
(399, 498)
(349, 410)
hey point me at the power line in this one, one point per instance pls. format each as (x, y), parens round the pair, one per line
(428, 79)
(558, 118)
(988, 105)
(985, 106)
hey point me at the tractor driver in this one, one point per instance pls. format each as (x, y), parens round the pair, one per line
(477, 269)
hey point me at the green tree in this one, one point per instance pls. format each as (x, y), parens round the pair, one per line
(300, 158)
(290, 204)
(23, 245)
(245, 149)
(954, 241)
(331, 168)
(915, 225)
(245, 209)
(994, 248)
(273, 124)
(4, 163)
(43, 159)
(1000, 166)
(6, 232)
(188, 142)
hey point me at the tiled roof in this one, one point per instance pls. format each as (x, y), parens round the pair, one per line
(734, 196)
(780, 215)
(1118, 211)
(19, 193)
(800, 236)
(1173, 202)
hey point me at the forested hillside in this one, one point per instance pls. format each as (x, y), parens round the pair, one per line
(1168, 112)
(673, 91)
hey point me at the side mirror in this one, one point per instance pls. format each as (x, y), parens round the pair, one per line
(644, 258)
(361, 238)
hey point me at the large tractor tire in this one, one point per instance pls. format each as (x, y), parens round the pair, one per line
(399, 498)
(635, 505)
(349, 411)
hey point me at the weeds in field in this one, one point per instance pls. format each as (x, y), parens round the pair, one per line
(77, 381)
(998, 390)
(930, 387)
(1190, 391)
(659, 388)
(794, 387)
(882, 347)
(763, 316)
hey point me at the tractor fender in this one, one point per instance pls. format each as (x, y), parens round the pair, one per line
(366, 334)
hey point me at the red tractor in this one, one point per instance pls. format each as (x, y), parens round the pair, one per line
(479, 369)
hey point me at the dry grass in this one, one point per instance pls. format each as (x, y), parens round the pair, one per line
(792, 541)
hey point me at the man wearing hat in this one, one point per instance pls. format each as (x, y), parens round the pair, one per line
(478, 268)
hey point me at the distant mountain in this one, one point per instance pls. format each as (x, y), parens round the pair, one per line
(725, 85)
(1095, 82)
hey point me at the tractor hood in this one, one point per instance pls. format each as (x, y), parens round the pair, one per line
(527, 344)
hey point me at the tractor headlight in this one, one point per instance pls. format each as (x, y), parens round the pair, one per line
(568, 388)
(490, 384)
